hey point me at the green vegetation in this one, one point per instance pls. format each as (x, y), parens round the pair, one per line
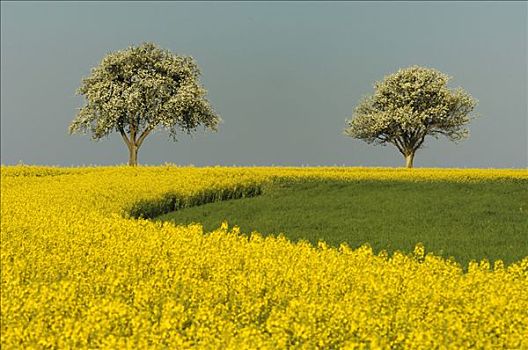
(488, 219)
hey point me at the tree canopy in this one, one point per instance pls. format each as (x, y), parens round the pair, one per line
(409, 105)
(139, 89)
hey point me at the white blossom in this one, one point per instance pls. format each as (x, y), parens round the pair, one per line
(136, 90)
(409, 105)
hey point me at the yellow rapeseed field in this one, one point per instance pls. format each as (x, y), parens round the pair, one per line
(79, 270)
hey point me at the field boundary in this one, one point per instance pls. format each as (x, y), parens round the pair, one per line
(172, 201)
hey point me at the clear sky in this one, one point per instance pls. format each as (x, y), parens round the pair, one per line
(284, 76)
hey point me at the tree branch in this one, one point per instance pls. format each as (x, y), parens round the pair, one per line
(123, 134)
(132, 134)
(383, 138)
(438, 131)
(143, 135)
(420, 142)
(399, 144)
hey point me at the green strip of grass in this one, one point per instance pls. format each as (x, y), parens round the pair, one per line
(464, 220)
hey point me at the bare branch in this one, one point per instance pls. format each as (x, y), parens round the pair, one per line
(398, 143)
(143, 135)
(420, 142)
(125, 138)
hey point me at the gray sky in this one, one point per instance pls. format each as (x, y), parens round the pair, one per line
(283, 77)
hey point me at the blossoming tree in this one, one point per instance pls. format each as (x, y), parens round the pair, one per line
(409, 105)
(137, 90)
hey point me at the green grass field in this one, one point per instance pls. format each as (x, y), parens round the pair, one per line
(463, 220)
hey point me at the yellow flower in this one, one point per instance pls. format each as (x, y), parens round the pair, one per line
(80, 271)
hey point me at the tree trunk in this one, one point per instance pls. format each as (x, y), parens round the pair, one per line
(409, 158)
(132, 158)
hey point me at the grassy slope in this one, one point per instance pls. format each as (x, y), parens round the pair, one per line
(463, 220)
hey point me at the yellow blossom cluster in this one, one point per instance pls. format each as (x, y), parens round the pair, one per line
(83, 268)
